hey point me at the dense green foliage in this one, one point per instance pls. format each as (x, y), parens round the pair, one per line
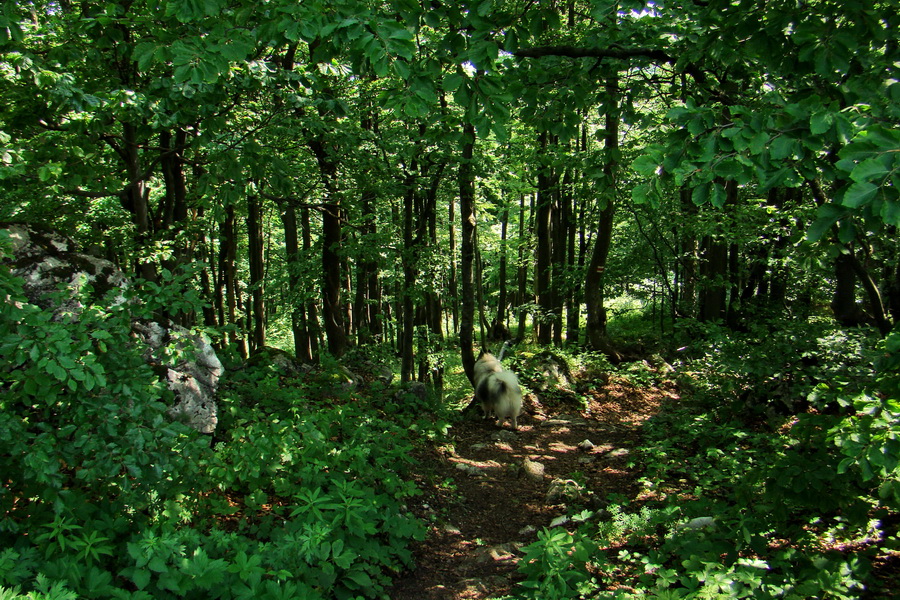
(715, 181)
(104, 496)
(745, 496)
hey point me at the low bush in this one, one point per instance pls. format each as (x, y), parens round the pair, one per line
(104, 496)
(742, 498)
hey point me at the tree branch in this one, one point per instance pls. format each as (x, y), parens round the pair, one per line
(601, 53)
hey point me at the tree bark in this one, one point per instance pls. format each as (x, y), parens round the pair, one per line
(544, 250)
(257, 275)
(467, 250)
(332, 301)
(410, 258)
(595, 278)
(522, 295)
(500, 329)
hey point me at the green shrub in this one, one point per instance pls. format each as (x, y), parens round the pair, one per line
(103, 496)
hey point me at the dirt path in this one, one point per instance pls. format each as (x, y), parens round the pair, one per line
(486, 497)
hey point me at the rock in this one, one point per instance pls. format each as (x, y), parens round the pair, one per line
(618, 453)
(415, 390)
(708, 523)
(468, 469)
(565, 420)
(194, 380)
(586, 445)
(564, 491)
(528, 531)
(559, 521)
(281, 361)
(498, 553)
(48, 261)
(504, 435)
(533, 469)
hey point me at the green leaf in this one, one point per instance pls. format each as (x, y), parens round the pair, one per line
(872, 168)
(859, 194)
(759, 142)
(890, 212)
(719, 195)
(829, 214)
(700, 194)
(781, 148)
(141, 578)
(452, 81)
(820, 122)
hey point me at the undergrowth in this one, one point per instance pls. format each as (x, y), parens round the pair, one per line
(301, 494)
(776, 476)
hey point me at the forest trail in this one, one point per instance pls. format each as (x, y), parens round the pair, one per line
(485, 503)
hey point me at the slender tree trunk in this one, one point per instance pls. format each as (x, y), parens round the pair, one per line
(299, 328)
(365, 305)
(410, 258)
(257, 275)
(523, 268)
(136, 197)
(595, 278)
(543, 269)
(576, 265)
(453, 284)
(311, 319)
(689, 250)
(561, 282)
(500, 330)
(228, 275)
(332, 302)
(467, 250)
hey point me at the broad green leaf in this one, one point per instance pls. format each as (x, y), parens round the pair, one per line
(719, 196)
(759, 142)
(646, 164)
(700, 194)
(828, 215)
(452, 81)
(890, 211)
(859, 193)
(873, 168)
(820, 122)
(781, 147)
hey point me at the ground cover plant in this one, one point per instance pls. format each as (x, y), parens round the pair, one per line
(300, 493)
(774, 477)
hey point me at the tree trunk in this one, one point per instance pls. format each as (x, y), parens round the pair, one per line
(522, 294)
(543, 269)
(453, 284)
(687, 269)
(410, 258)
(332, 302)
(136, 198)
(595, 278)
(713, 275)
(257, 275)
(311, 318)
(367, 300)
(467, 250)
(228, 275)
(299, 329)
(500, 330)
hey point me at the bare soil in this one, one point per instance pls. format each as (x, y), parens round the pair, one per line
(486, 499)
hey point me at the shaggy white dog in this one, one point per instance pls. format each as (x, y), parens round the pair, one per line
(497, 390)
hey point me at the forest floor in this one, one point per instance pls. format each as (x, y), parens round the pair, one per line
(486, 498)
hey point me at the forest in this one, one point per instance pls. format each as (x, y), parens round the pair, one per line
(676, 222)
